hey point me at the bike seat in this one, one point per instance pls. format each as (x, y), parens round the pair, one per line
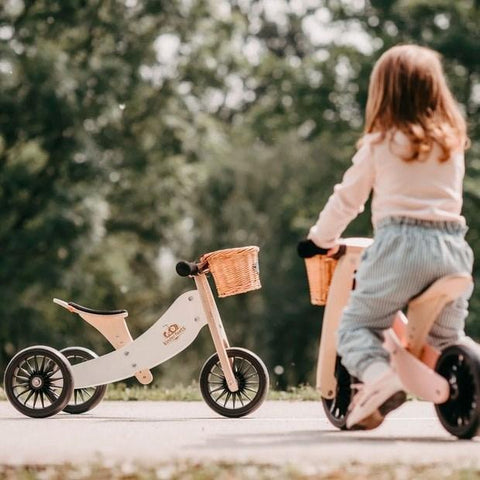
(96, 312)
(425, 308)
(75, 307)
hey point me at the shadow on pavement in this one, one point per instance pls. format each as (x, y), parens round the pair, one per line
(310, 438)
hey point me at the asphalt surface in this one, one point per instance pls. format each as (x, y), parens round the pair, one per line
(279, 432)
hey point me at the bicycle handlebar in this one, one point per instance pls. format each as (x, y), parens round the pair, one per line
(306, 249)
(185, 269)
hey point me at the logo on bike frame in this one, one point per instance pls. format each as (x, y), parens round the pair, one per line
(172, 332)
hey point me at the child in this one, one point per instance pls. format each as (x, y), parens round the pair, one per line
(412, 157)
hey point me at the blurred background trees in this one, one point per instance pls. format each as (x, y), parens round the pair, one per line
(137, 132)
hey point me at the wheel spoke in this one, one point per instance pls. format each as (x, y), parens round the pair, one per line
(28, 397)
(216, 375)
(53, 371)
(239, 394)
(51, 395)
(245, 395)
(26, 371)
(54, 387)
(35, 398)
(239, 366)
(89, 392)
(50, 365)
(80, 392)
(17, 395)
(30, 370)
(42, 366)
(221, 395)
(248, 368)
(217, 389)
(35, 361)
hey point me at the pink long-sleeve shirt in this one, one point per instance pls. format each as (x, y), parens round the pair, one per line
(425, 190)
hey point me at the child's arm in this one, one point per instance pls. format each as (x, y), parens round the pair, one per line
(347, 201)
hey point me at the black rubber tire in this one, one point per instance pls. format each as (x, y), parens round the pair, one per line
(38, 381)
(336, 408)
(460, 414)
(253, 381)
(83, 399)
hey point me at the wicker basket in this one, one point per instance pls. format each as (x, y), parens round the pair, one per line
(234, 270)
(320, 270)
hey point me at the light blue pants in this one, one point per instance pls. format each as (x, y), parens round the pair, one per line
(407, 256)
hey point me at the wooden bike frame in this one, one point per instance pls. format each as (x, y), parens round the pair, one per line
(411, 356)
(337, 299)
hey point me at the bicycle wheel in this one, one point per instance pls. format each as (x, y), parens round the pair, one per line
(38, 381)
(83, 399)
(336, 408)
(460, 414)
(252, 378)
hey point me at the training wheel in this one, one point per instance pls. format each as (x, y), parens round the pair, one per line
(460, 414)
(336, 408)
(38, 381)
(83, 399)
(252, 378)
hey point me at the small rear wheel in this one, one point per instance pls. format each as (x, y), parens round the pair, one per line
(83, 399)
(336, 408)
(460, 414)
(38, 381)
(252, 378)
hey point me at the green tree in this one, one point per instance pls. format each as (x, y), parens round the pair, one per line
(133, 133)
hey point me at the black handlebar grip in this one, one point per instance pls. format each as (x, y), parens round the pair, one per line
(307, 249)
(185, 269)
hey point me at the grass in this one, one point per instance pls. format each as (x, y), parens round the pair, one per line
(191, 392)
(236, 471)
(120, 391)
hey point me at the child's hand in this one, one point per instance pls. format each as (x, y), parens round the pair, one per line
(332, 251)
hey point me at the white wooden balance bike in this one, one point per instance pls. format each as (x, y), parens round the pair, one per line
(40, 381)
(450, 379)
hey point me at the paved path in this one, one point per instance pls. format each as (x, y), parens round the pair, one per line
(279, 432)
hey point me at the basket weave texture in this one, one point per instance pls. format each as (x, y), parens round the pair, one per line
(234, 270)
(320, 270)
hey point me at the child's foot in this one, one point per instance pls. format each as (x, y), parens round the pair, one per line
(375, 400)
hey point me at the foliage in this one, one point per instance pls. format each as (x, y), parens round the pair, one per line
(137, 132)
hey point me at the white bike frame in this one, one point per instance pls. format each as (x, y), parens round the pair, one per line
(174, 331)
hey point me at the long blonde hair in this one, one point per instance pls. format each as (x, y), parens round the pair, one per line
(408, 92)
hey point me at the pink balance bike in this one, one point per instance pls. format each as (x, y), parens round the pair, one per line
(450, 379)
(40, 381)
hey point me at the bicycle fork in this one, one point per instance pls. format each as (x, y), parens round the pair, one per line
(217, 331)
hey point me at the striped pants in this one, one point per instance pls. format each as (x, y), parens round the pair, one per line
(406, 257)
